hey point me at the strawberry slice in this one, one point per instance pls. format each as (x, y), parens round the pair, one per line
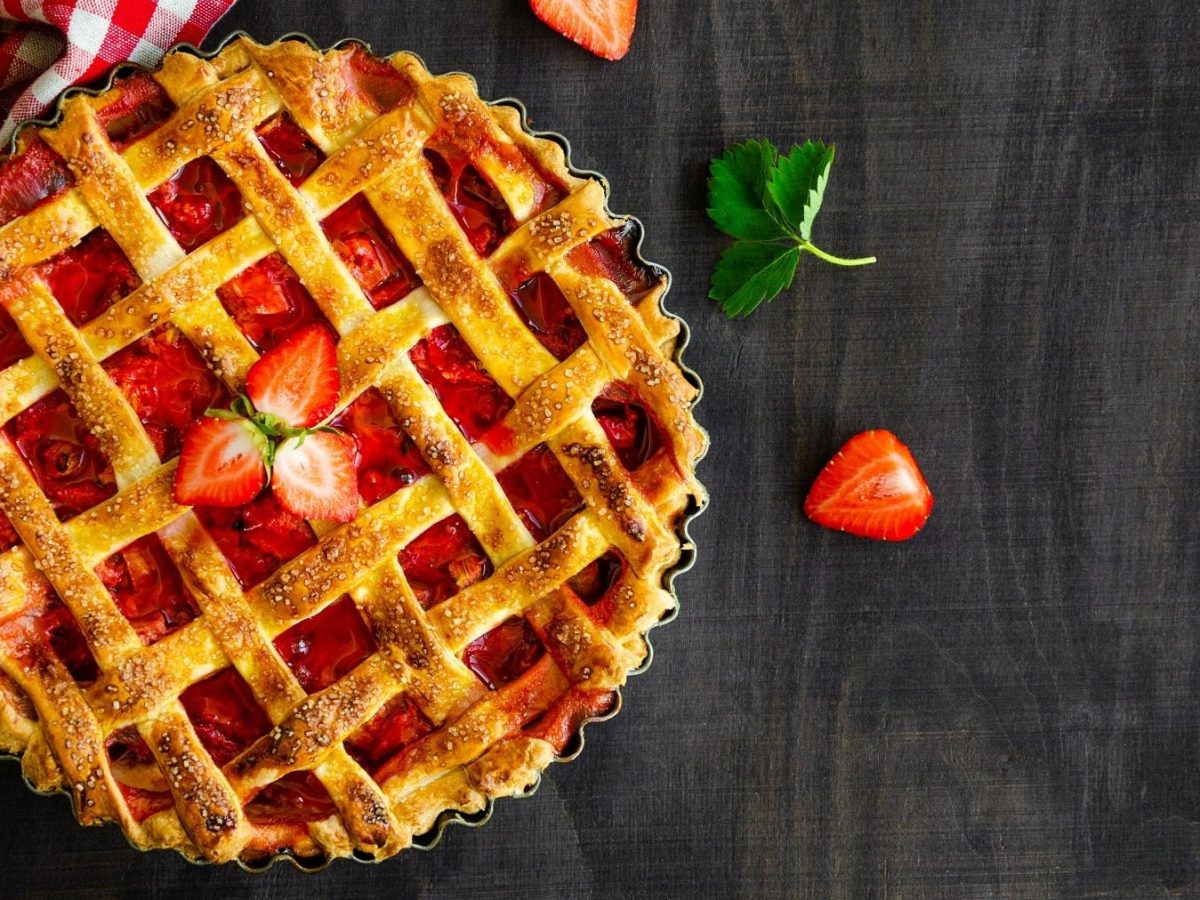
(871, 488)
(297, 380)
(604, 27)
(221, 464)
(314, 477)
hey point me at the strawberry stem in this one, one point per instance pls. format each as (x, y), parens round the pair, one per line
(836, 260)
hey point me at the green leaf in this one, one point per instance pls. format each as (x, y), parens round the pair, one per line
(797, 184)
(748, 274)
(738, 202)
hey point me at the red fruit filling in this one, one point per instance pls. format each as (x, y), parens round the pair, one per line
(256, 538)
(290, 148)
(28, 180)
(466, 391)
(197, 203)
(376, 80)
(505, 653)
(138, 775)
(368, 250)
(389, 731)
(323, 648)
(594, 584)
(558, 723)
(549, 316)
(479, 208)
(269, 302)
(90, 277)
(632, 429)
(141, 106)
(225, 714)
(540, 491)
(63, 455)
(611, 255)
(296, 797)
(443, 560)
(49, 628)
(12, 345)
(167, 383)
(387, 457)
(8, 536)
(148, 589)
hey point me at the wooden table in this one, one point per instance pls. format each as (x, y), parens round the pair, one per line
(1004, 707)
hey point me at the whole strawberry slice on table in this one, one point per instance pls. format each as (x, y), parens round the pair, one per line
(603, 27)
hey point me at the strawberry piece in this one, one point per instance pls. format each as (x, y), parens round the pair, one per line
(221, 464)
(871, 488)
(298, 379)
(314, 477)
(603, 27)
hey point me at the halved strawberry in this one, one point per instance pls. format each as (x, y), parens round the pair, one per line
(297, 380)
(314, 477)
(871, 488)
(221, 464)
(604, 27)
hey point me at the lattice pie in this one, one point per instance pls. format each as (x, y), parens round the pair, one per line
(240, 681)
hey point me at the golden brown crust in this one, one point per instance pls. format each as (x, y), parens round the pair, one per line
(373, 131)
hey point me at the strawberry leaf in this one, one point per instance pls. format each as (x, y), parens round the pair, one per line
(797, 184)
(749, 274)
(738, 202)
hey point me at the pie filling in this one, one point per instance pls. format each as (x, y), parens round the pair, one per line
(388, 459)
(168, 384)
(290, 148)
(29, 180)
(148, 589)
(88, 278)
(197, 203)
(542, 494)
(633, 430)
(367, 249)
(63, 455)
(225, 714)
(256, 538)
(549, 316)
(13, 347)
(45, 629)
(594, 584)
(443, 560)
(323, 648)
(141, 106)
(138, 774)
(389, 731)
(505, 653)
(612, 254)
(478, 207)
(269, 303)
(463, 386)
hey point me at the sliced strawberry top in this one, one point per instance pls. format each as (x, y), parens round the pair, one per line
(296, 797)
(612, 255)
(478, 206)
(13, 347)
(871, 488)
(88, 278)
(269, 302)
(314, 477)
(63, 455)
(30, 179)
(505, 653)
(225, 714)
(389, 731)
(168, 384)
(540, 491)
(197, 203)
(387, 458)
(290, 148)
(546, 311)
(632, 429)
(369, 251)
(467, 392)
(148, 589)
(443, 560)
(140, 107)
(297, 380)
(323, 648)
(603, 27)
(221, 464)
(257, 538)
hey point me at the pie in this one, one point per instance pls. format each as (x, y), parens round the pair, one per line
(242, 683)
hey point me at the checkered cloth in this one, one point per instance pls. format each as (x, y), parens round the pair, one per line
(49, 45)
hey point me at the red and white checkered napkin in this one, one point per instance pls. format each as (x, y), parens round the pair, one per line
(49, 45)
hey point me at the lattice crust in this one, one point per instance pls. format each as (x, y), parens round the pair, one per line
(485, 743)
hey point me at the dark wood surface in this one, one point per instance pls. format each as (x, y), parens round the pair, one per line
(1004, 707)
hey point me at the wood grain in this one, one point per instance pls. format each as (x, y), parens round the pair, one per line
(1005, 706)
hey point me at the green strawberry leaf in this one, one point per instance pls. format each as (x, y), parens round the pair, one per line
(797, 184)
(747, 275)
(738, 202)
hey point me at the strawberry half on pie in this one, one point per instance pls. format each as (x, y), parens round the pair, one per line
(345, 454)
